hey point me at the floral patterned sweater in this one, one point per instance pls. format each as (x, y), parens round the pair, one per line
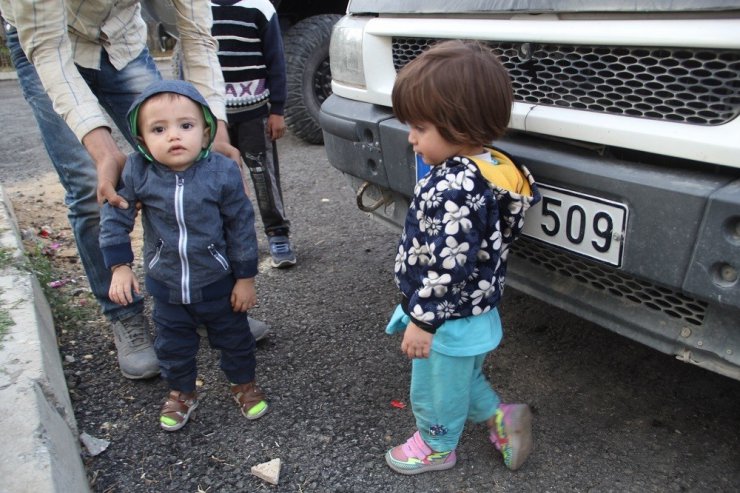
(464, 216)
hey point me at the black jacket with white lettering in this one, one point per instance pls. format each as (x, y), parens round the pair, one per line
(250, 50)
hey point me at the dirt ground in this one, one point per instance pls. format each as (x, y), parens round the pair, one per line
(39, 205)
(45, 230)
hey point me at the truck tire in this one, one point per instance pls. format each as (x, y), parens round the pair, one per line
(308, 75)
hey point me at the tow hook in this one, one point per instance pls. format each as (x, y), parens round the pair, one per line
(383, 200)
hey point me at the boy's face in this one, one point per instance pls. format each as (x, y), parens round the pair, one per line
(173, 129)
(433, 148)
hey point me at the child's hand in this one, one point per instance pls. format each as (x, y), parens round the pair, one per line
(243, 296)
(416, 342)
(275, 126)
(121, 285)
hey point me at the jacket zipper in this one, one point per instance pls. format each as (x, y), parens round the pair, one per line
(182, 246)
(157, 253)
(219, 258)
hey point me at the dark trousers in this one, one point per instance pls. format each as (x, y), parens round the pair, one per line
(260, 156)
(177, 341)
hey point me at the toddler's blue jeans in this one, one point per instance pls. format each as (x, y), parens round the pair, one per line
(177, 341)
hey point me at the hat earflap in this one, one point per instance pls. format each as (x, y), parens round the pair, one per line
(132, 118)
(211, 124)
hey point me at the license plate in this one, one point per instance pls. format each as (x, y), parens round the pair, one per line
(580, 223)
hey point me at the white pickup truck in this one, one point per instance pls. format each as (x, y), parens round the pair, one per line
(627, 115)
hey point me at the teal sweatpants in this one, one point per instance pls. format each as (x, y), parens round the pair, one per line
(445, 392)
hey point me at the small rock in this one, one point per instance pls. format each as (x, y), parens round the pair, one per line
(94, 446)
(268, 471)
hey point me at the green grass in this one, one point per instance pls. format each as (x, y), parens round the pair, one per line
(6, 257)
(6, 321)
(64, 309)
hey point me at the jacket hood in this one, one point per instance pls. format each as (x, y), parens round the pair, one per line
(503, 173)
(182, 88)
(513, 184)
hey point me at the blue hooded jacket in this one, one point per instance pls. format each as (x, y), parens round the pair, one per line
(198, 224)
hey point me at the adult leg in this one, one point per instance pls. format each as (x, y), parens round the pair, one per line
(117, 89)
(78, 176)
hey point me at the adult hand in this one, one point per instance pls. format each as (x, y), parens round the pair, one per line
(416, 342)
(222, 145)
(275, 126)
(109, 162)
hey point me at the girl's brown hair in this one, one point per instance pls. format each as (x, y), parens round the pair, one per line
(458, 86)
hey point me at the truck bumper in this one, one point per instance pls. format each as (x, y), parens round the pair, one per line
(674, 290)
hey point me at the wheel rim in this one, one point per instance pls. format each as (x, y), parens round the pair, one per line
(322, 81)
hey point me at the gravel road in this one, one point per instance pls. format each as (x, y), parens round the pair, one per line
(610, 414)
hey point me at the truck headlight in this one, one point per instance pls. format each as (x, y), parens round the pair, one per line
(345, 51)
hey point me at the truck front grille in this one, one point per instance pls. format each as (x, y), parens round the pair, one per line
(684, 85)
(612, 281)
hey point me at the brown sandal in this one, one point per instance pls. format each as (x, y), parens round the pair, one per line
(177, 409)
(251, 399)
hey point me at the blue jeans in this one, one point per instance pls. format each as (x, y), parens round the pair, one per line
(116, 91)
(177, 341)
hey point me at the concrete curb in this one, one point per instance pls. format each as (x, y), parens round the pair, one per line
(41, 450)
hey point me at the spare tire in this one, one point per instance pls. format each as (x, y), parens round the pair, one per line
(308, 75)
